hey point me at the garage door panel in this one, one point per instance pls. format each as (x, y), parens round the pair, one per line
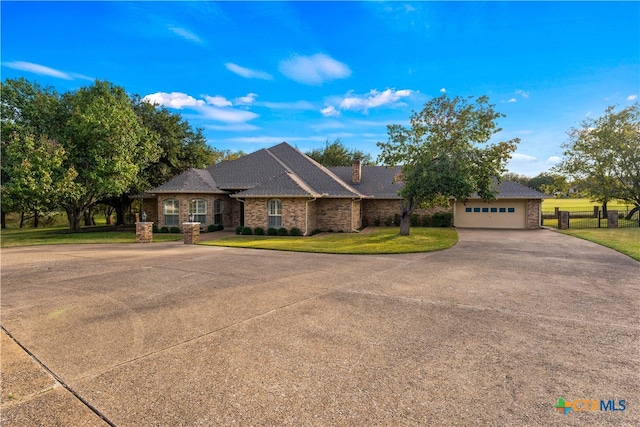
(497, 214)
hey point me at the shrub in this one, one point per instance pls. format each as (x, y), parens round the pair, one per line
(365, 223)
(164, 230)
(246, 231)
(258, 231)
(415, 220)
(212, 227)
(155, 229)
(397, 218)
(220, 227)
(316, 231)
(427, 221)
(389, 221)
(442, 219)
(377, 222)
(272, 231)
(282, 231)
(295, 231)
(239, 229)
(174, 230)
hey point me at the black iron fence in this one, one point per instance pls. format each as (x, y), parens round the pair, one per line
(595, 218)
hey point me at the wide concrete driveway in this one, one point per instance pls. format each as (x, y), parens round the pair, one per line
(491, 332)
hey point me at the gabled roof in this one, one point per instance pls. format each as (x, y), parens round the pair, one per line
(283, 185)
(376, 181)
(190, 181)
(513, 190)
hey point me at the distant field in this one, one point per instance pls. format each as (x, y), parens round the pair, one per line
(579, 205)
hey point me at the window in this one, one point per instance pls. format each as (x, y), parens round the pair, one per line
(511, 210)
(274, 209)
(476, 209)
(503, 210)
(494, 209)
(171, 212)
(217, 211)
(467, 209)
(198, 208)
(485, 209)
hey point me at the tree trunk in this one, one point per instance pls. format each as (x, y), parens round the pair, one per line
(21, 218)
(36, 218)
(405, 224)
(3, 215)
(74, 215)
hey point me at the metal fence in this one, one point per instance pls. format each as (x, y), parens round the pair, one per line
(590, 219)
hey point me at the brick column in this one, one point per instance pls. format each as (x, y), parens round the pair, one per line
(563, 220)
(144, 232)
(191, 232)
(612, 219)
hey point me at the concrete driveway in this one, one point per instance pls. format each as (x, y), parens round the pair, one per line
(491, 332)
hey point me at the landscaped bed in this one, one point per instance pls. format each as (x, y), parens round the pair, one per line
(382, 240)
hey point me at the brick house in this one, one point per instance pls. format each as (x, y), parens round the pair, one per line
(277, 187)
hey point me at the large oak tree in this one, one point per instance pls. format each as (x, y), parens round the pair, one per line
(445, 153)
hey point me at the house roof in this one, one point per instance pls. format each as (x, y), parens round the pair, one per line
(190, 181)
(513, 190)
(376, 181)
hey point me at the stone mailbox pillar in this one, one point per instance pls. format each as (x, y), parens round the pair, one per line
(612, 219)
(144, 232)
(563, 220)
(191, 232)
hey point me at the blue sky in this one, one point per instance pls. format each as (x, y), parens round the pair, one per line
(254, 74)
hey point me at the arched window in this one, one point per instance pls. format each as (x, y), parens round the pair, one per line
(171, 212)
(274, 209)
(198, 210)
(217, 211)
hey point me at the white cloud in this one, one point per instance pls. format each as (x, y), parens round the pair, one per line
(247, 99)
(44, 70)
(373, 99)
(184, 33)
(295, 105)
(247, 72)
(218, 108)
(553, 160)
(522, 93)
(443, 90)
(314, 70)
(173, 100)
(512, 100)
(330, 111)
(632, 97)
(522, 157)
(218, 101)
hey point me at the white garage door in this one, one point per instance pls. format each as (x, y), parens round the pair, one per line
(495, 214)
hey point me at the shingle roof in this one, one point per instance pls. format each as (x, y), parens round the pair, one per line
(190, 181)
(283, 185)
(376, 181)
(513, 190)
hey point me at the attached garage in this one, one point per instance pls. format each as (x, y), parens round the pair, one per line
(516, 207)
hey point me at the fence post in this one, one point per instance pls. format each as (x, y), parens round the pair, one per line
(563, 220)
(596, 211)
(612, 219)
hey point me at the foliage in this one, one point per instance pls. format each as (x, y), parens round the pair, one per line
(164, 230)
(336, 154)
(212, 227)
(602, 156)
(282, 231)
(442, 219)
(441, 153)
(239, 229)
(258, 231)
(174, 230)
(295, 231)
(246, 231)
(272, 231)
(220, 227)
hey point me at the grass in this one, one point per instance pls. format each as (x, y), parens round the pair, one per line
(623, 240)
(581, 204)
(11, 237)
(383, 240)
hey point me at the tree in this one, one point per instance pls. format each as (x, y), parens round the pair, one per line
(336, 154)
(602, 156)
(106, 145)
(445, 153)
(520, 179)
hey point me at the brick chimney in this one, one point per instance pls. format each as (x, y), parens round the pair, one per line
(356, 171)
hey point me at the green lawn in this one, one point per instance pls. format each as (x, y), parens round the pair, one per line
(579, 205)
(623, 240)
(383, 240)
(11, 237)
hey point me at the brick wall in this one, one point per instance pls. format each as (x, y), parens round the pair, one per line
(230, 208)
(335, 214)
(293, 213)
(383, 209)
